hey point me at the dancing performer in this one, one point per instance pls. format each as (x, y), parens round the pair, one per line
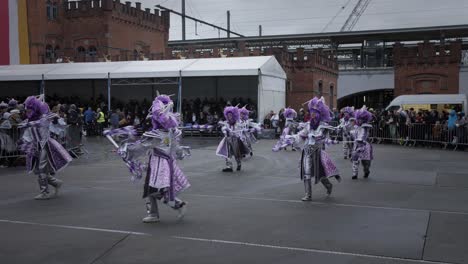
(315, 162)
(290, 128)
(231, 146)
(248, 129)
(362, 151)
(155, 155)
(44, 155)
(347, 123)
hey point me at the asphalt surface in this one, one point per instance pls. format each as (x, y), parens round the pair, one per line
(412, 209)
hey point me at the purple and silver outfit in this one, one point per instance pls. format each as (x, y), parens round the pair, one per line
(315, 162)
(249, 128)
(44, 155)
(345, 127)
(290, 128)
(362, 151)
(231, 146)
(154, 156)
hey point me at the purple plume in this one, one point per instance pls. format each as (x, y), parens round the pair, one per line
(36, 108)
(348, 110)
(162, 116)
(318, 105)
(164, 99)
(290, 113)
(234, 111)
(244, 113)
(363, 115)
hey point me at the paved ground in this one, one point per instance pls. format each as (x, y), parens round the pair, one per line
(413, 209)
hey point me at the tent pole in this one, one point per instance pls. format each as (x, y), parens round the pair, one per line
(43, 87)
(108, 94)
(179, 99)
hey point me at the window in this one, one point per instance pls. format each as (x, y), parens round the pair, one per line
(320, 88)
(51, 10)
(92, 51)
(81, 51)
(54, 11)
(49, 52)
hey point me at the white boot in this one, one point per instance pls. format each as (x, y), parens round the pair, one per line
(151, 219)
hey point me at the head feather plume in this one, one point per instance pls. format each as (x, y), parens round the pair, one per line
(290, 113)
(36, 108)
(234, 111)
(363, 115)
(244, 113)
(318, 105)
(348, 110)
(161, 113)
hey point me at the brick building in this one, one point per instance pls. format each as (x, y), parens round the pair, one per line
(91, 30)
(427, 68)
(310, 73)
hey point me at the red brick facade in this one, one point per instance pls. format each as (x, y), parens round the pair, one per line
(89, 30)
(309, 73)
(427, 68)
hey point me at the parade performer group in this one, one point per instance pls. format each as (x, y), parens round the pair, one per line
(44, 155)
(154, 155)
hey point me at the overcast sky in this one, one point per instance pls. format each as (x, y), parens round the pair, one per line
(310, 16)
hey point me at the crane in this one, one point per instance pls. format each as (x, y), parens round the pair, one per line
(355, 15)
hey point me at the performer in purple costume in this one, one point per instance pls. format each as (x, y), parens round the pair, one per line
(290, 128)
(231, 146)
(44, 155)
(154, 155)
(346, 125)
(315, 162)
(248, 129)
(362, 151)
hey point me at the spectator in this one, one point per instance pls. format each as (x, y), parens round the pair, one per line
(114, 119)
(100, 119)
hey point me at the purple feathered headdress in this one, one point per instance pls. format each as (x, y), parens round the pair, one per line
(290, 113)
(348, 110)
(363, 116)
(13, 103)
(35, 108)
(234, 111)
(244, 113)
(318, 105)
(162, 116)
(165, 99)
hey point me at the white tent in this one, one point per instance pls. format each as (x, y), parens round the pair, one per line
(271, 79)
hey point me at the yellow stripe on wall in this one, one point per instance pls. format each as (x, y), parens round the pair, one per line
(23, 32)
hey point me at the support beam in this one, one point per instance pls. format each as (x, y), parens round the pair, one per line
(183, 19)
(198, 20)
(228, 14)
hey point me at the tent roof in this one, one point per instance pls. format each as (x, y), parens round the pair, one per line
(233, 66)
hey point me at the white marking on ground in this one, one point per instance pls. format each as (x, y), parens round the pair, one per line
(306, 250)
(74, 227)
(329, 204)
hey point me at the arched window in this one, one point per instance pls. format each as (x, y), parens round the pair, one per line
(49, 52)
(81, 51)
(332, 91)
(320, 88)
(49, 10)
(92, 51)
(54, 11)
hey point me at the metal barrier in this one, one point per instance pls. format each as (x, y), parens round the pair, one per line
(420, 134)
(201, 130)
(69, 138)
(8, 142)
